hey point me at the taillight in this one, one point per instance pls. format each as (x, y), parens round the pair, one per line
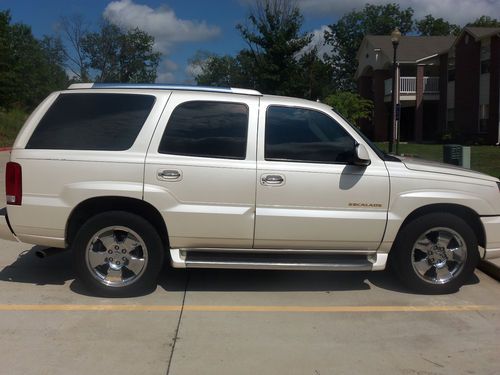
(13, 183)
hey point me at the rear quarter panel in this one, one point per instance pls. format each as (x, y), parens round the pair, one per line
(55, 181)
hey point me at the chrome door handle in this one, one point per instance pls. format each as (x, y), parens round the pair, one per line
(169, 175)
(272, 179)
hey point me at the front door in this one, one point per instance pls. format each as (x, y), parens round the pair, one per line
(308, 195)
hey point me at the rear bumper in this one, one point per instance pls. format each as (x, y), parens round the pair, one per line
(491, 226)
(5, 231)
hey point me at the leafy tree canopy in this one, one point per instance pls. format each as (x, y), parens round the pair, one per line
(222, 71)
(29, 68)
(485, 21)
(430, 26)
(345, 36)
(350, 105)
(275, 61)
(116, 55)
(274, 39)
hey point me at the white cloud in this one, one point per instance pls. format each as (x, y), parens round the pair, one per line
(167, 72)
(166, 77)
(318, 41)
(170, 65)
(455, 11)
(193, 70)
(162, 23)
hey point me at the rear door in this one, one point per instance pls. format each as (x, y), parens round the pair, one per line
(308, 194)
(201, 169)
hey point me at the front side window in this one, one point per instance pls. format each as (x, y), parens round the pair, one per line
(96, 121)
(207, 129)
(304, 135)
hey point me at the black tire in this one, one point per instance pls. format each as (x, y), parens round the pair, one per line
(433, 231)
(129, 248)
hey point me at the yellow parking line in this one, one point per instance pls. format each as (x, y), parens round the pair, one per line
(208, 308)
(341, 309)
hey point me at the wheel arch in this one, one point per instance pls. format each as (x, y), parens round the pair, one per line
(93, 206)
(469, 215)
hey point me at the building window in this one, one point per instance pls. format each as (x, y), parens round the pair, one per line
(485, 66)
(451, 75)
(483, 118)
(450, 119)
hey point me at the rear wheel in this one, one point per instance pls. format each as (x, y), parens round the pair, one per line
(435, 253)
(118, 254)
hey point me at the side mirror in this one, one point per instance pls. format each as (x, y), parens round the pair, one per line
(362, 158)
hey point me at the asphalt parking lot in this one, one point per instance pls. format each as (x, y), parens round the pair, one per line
(241, 322)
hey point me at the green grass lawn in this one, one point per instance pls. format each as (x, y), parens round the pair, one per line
(484, 159)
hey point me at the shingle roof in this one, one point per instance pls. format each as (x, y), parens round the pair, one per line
(481, 32)
(412, 48)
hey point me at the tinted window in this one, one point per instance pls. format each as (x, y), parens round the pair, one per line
(304, 135)
(207, 129)
(92, 122)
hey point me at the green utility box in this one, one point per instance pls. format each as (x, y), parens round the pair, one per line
(457, 155)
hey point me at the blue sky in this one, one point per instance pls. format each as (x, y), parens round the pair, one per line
(181, 28)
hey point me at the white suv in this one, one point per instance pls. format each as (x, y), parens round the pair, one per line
(229, 178)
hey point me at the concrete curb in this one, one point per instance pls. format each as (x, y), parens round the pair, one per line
(490, 269)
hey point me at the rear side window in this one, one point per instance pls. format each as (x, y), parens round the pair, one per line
(207, 129)
(108, 122)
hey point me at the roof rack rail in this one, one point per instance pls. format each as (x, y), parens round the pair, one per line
(157, 86)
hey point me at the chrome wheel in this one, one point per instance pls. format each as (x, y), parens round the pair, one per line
(116, 256)
(439, 255)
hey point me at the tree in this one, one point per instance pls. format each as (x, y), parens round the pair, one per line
(6, 75)
(54, 53)
(485, 21)
(29, 68)
(221, 71)
(430, 26)
(120, 56)
(352, 106)
(345, 36)
(110, 54)
(316, 75)
(279, 58)
(74, 29)
(274, 39)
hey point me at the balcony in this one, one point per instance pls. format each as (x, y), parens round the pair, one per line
(408, 86)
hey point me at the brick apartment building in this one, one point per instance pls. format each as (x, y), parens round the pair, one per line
(447, 85)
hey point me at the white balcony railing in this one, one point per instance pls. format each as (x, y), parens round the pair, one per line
(408, 85)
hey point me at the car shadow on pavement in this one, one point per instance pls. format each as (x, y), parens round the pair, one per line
(28, 268)
(217, 280)
(57, 270)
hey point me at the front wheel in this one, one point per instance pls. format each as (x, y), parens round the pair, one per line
(117, 254)
(435, 253)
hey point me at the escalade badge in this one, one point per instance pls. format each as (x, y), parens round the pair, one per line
(374, 205)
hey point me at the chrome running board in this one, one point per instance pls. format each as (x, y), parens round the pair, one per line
(192, 258)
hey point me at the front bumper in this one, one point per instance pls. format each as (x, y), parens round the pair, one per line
(5, 231)
(491, 226)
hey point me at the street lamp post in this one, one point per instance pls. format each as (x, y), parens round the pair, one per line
(395, 38)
